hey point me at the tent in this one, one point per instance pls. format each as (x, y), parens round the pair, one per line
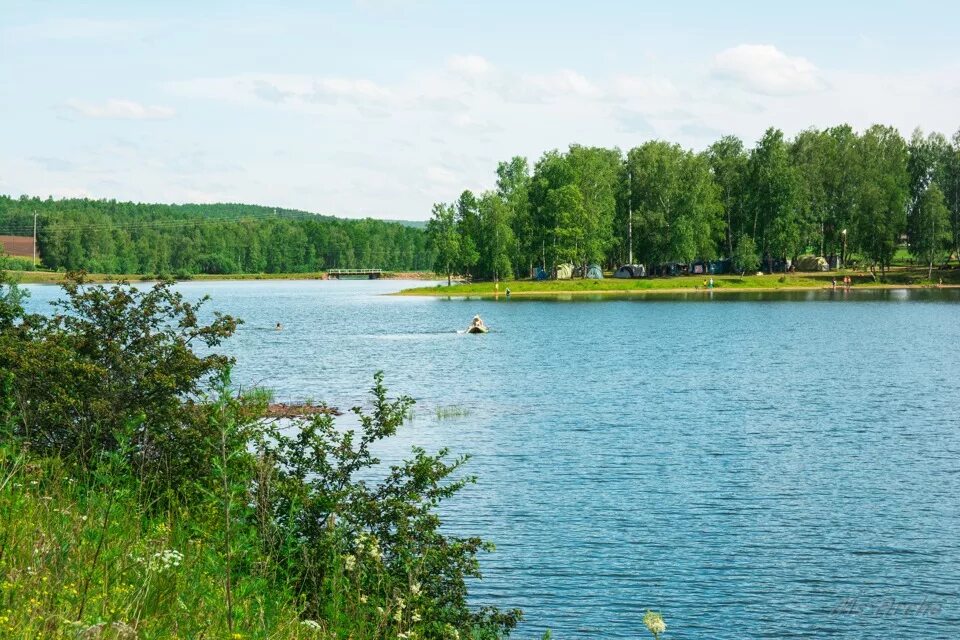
(594, 272)
(541, 274)
(631, 271)
(564, 271)
(811, 263)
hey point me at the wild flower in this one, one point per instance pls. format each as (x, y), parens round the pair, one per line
(654, 623)
(369, 545)
(415, 589)
(363, 598)
(349, 562)
(398, 615)
(165, 560)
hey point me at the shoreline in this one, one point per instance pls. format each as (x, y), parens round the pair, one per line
(57, 277)
(419, 292)
(900, 279)
(667, 291)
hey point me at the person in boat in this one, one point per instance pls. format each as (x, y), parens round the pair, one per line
(477, 323)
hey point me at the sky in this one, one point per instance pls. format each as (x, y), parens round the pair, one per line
(382, 107)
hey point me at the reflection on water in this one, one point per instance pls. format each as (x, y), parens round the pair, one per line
(745, 468)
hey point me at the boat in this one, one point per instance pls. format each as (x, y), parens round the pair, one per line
(477, 326)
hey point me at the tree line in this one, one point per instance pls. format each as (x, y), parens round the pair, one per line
(831, 192)
(106, 236)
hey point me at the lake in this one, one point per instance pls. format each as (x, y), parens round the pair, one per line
(752, 465)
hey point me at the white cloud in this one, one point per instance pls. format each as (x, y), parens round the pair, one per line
(765, 69)
(564, 82)
(469, 66)
(120, 110)
(349, 90)
(297, 91)
(642, 87)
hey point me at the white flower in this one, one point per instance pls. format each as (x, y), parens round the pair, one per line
(165, 560)
(415, 589)
(349, 562)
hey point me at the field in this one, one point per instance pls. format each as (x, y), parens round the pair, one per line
(16, 246)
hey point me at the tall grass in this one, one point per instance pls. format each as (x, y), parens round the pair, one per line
(82, 558)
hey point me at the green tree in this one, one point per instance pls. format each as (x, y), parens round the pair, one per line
(930, 235)
(445, 239)
(596, 173)
(497, 238)
(884, 191)
(772, 196)
(468, 226)
(745, 256)
(728, 163)
(513, 187)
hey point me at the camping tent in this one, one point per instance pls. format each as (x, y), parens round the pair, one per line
(812, 263)
(594, 272)
(564, 271)
(541, 274)
(630, 271)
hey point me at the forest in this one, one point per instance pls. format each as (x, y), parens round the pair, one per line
(106, 236)
(836, 192)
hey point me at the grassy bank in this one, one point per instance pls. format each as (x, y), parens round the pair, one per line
(897, 278)
(58, 277)
(83, 558)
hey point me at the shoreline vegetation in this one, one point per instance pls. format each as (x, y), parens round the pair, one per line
(142, 495)
(896, 278)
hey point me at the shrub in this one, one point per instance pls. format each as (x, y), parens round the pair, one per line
(115, 362)
(161, 502)
(330, 527)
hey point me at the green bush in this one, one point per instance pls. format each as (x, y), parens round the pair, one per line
(115, 362)
(13, 263)
(139, 494)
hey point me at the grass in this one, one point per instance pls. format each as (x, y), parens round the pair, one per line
(82, 558)
(899, 277)
(452, 411)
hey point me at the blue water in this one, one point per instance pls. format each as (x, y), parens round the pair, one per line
(753, 466)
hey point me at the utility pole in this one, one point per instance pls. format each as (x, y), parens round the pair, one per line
(34, 239)
(629, 214)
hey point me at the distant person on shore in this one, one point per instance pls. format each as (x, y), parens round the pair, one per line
(508, 292)
(710, 286)
(834, 283)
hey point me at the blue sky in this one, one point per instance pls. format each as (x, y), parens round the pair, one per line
(382, 107)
